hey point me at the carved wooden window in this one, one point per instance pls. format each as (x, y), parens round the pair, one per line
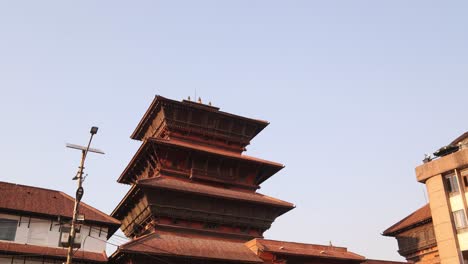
(430, 234)
(208, 120)
(402, 243)
(196, 118)
(223, 124)
(420, 238)
(180, 115)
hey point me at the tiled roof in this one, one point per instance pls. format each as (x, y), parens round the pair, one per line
(187, 245)
(306, 250)
(39, 251)
(418, 216)
(376, 261)
(42, 201)
(192, 187)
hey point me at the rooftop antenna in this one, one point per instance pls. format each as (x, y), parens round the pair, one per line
(79, 190)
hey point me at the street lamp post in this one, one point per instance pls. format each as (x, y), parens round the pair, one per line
(79, 190)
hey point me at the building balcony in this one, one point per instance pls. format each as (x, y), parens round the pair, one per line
(444, 164)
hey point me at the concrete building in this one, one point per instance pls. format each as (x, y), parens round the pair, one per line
(438, 232)
(33, 220)
(446, 183)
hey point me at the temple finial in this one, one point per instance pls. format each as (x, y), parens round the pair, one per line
(188, 98)
(199, 100)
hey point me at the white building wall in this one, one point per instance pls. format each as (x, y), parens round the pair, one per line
(44, 232)
(21, 260)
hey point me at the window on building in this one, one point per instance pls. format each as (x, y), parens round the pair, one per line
(8, 229)
(451, 183)
(460, 219)
(464, 174)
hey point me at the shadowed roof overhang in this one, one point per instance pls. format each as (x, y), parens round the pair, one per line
(187, 186)
(269, 166)
(159, 100)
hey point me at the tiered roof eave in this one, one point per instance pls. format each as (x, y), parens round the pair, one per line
(187, 186)
(126, 176)
(189, 245)
(139, 131)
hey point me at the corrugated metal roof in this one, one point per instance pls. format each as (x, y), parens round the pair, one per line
(61, 253)
(418, 216)
(163, 243)
(306, 250)
(31, 199)
(203, 189)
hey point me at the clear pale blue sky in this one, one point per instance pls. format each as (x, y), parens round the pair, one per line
(356, 93)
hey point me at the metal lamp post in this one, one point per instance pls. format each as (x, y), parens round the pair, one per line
(79, 190)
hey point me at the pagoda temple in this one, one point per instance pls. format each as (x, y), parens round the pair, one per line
(193, 195)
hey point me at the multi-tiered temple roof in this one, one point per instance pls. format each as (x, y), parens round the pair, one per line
(193, 196)
(190, 179)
